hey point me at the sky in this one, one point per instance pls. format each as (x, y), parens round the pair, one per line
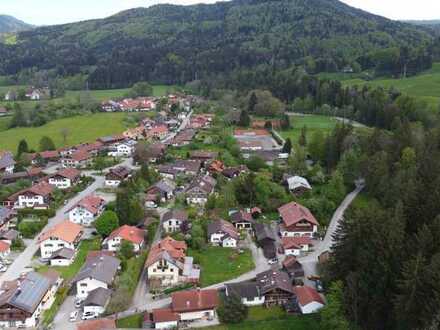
(48, 12)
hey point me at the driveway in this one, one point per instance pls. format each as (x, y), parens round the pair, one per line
(61, 320)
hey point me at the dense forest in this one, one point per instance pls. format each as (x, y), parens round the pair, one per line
(177, 44)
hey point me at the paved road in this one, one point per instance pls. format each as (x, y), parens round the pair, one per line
(182, 126)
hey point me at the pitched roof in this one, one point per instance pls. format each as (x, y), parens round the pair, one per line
(306, 295)
(167, 248)
(91, 203)
(6, 159)
(263, 231)
(181, 215)
(68, 173)
(242, 216)
(194, 300)
(164, 315)
(98, 297)
(248, 290)
(295, 242)
(274, 279)
(63, 253)
(120, 172)
(128, 233)
(222, 226)
(296, 182)
(100, 324)
(292, 213)
(102, 268)
(66, 231)
(80, 155)
(201, 154)
(4, 246)
(289, 261)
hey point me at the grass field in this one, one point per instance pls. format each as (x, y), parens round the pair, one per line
(81, 129)
(221, 264)
(130, 322)
(312, 122)
(425, 86)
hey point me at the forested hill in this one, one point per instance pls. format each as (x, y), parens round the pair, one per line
(175, 44)
(9, 24)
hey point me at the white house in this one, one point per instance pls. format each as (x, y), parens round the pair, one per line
(65, 178)
(200, 189)
(124, 149)
(309, 300)
(298, 185)
(7, 162)
(116, 175)
(293, 246)
(173, 220)
(37, 197)
(63, 235)
(164, 318)
(5, 249)
(195, 305)
(297, 220)
(249, 293)
(127, 233)
(87, 210)
(62, 257)
(97, 272)
(97, 301)
(223, 233)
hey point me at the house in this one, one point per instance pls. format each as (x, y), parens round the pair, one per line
(244, 219)
(194, 305)
(34, 174)
(11, 96)
(188, 167)
(266, 239)
(155, 152)
(184, 138)
(87, 210)
(163, 190)
(233, 172)
(109, 140)
(98, 272)
(248, 292)
(5, 249)
(127, 233)
(298, 185)
(199, 190)
(122, 149)
(110, 106)
(250, 145)
(293, 246)
(97, 301)
(7, 215)
(22, 301)
(62, 257)
(292, 266)
(7, 162)
(63, 235)
(167, 264)
(309, 300)
(297, 220)
(3, 111)
(216, 166)
(9, 236)
(65, 178)
(203, 156)
(37, 197)
(158, 132)
(163, 318)
(99, 324)
(174, 221)
(136, 133)
(167, 171)
(222, 233)
(276, 286)
(116, 175)
(79, 159)
(44, 157)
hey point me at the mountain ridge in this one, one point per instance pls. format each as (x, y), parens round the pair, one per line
(10, 24)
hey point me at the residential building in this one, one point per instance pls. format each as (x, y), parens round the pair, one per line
(122, 149)
(62, 257)
(98, 272)
(297, 220)
(9, 235)
(158, 132)
(99, 324)
(293, 267)
(203, 156)
(174, 221)
(266, 239)
(33, 174)
(87, 210)
(276, 286)
(199, 190)
(245, 219)
(194, 305)
(223, 233)
(127, 233)
(97, 301)
(298, 185)
(155, 152)
(293, 246)
(7, 162)
(163, 318)
(116, 175)
(188, 167)
(184, 138)
(309, 300)
(23, 300)
(65, 178)
(109, 140)
(79, 159)
(63, 235)
(5, 249)
(167, 264)
(43, 158)
(37, 197)
(163, 190)
(233, 172)
(249, 293)
(7, 215)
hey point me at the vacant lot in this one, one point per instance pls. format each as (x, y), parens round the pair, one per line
(81, 129)
(221, 264)
(312, 122)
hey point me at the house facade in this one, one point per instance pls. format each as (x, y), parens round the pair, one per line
(223, 233)
(297, 221)
(87, 210)
(248, 292)
(65, 178)
(173, 221)
(130, 234)
(195, 305)
(37, 197)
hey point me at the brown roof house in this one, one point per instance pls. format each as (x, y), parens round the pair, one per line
(297, 220)
(199, 190)
(116, 175)
(65, 178)
(195, 304)
(36, 197)
(223, 233)
(175, 221)
(276, 286)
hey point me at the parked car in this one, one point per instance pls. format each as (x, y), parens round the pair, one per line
(3, 268)
(6, 262)
(318, 285)
(272, 261)
(73, 316)
(88, 316)
(78, 303)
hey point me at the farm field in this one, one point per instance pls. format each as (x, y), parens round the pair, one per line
(81, 129)
(312, 122)
(425, 86)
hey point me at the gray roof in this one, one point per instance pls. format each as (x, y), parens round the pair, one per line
(98, 297)
(102, 268)
(6, 213)
(64, 253)
(6, 160)
(30, 292)
(9, 235)
(263, 232)
(165, 185)
(274, 279)
(248, 290)
(176, 214)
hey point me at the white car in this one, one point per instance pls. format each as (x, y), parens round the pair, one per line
(6, 261)
(73, 316)
(88, 316)
(3, 268)
(272, 261)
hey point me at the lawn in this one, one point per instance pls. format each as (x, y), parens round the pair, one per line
(81, 129)
(4, 122)
(130, 322)
(425, 86)
(312, 122)
(262, 318)
(221, 264)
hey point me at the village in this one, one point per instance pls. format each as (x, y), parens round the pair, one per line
(71, 199)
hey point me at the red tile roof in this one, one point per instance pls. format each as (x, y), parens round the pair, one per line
(99, 253)
(295, 242)
(176, 250)
(194, 300)
(292, 213)
(49, 154)
(164, 315)
(80, 155)
(69, 173)
(307, 295)
(4, 247)
(100, 324)
(66, 231)
(128, 233)
(91, 203)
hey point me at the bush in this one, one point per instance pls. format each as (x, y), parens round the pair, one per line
(232, 310)
(31, 228)
(17, 245)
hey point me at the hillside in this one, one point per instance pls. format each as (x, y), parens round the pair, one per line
(9, 24)
(175, 44)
